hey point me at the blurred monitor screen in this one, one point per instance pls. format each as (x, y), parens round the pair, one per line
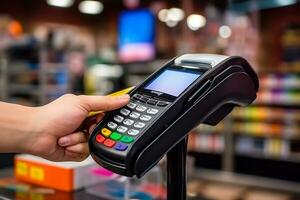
(136, 36)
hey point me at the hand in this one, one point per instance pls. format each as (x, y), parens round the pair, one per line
(57, 137)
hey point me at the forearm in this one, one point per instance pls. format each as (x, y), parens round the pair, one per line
(16, 124)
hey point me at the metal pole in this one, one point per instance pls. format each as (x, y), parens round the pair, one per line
(228, 153)
(176, 171)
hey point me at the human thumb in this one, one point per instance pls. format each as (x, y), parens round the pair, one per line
(103, 103)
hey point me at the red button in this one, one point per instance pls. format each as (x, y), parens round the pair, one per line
(100, 138)
(109, 143)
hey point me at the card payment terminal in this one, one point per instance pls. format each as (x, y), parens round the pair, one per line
(188, 90)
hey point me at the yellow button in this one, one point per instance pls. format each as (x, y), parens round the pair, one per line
(106, 132)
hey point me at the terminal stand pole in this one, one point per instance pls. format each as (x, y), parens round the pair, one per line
(176, 171)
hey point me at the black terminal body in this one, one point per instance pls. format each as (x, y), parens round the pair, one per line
(188, 90)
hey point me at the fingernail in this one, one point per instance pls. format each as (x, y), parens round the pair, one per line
(124, 97)
(64, 141)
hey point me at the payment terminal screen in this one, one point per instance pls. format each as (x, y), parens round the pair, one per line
(173, 82)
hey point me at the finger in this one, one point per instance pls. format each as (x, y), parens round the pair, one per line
(87, 123)
(72, 139)
(72, 156)
(92, 127)
(90, 121)
(104, 103)
(99, 117)
(81, 148)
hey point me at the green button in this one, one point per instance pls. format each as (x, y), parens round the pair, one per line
(127, 139)
(115, 136)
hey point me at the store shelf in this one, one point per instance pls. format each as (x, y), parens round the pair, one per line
(283, 122)
(61, 65)
(206, 151)
(266, 114)
(54, 67)
(264, 136)
(249, 134)
(285, 68)
(294, 105)
(24, 89)
(57, 88)
(247, 180)
(204, 131)
(33, 84)
(24, 101)
(288, 158)
(22, 71)
(281, 86)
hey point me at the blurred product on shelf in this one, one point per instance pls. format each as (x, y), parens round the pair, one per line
(33, 82)
(38, 171)
(279, 89)
(206, 142)
(264, 148)
(265, 129)
(40, 67)
(267, 114)
(291, 43)
(281, 81)
(101, 78)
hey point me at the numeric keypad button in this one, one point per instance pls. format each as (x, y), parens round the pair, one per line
(131, 105)
(127, 139)
(152, 102)
(125, 111)
(137, 96)
(152, 111)
(109, 143)
(134, 115)
(118, 118)
(141, 108)
(133, 132)
(122, 129)
(128, 122)
(121, 146)
(145, 118)
(112, 125)
(144, 99)
(162, 103)
(106, 132)
(139, 125)
(100, 138)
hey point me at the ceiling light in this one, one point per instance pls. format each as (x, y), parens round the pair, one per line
(90, 7)
(170, 23)
(163, 15)
(60, 3)
(225, 31)
(195, 21)
(175, 14)
(172, 14)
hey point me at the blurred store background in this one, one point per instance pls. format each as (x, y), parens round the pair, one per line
(52, 47)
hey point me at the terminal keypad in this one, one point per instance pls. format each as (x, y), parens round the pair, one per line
(129, 122)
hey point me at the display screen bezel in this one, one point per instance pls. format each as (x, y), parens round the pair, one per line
(165, 96)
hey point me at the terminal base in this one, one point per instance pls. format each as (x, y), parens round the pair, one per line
(176, 171)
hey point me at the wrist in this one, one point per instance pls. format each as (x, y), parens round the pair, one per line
(18, 126)
(32, 130)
